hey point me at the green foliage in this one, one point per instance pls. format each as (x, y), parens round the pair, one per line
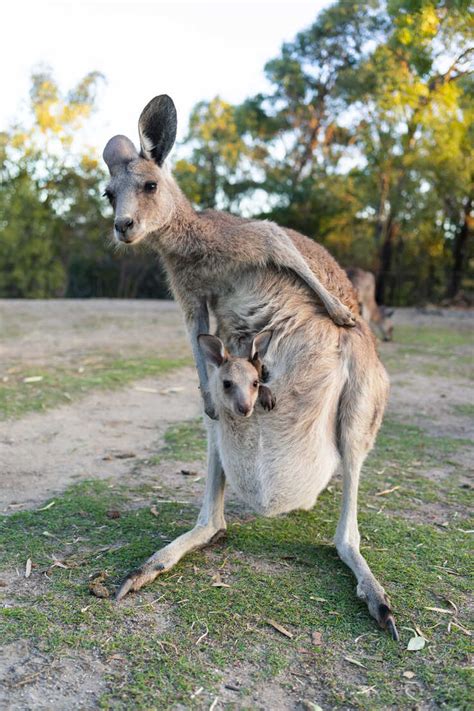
(364, 142)
(53, 219)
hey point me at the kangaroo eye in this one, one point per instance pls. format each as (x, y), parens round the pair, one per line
(109, 195)
(227, 384)
(150, 186)
(255, 383)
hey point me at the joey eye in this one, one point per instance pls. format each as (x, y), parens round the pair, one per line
(227, 384)
(255, 383)
(150, 186)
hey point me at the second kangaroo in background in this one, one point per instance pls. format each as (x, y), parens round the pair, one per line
(379, 317)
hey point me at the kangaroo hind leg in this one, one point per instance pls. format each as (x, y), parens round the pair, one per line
(209, 527)
(360, 415)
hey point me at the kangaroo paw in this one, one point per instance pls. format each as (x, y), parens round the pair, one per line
(341, 315)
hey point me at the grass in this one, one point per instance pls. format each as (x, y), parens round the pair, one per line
(441, 352)
(466, 409)
(184, 441)
(183, 633)
(62, 384)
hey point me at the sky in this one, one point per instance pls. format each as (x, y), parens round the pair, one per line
(191, 50)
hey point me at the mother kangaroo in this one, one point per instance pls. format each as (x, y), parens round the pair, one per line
(329, 384)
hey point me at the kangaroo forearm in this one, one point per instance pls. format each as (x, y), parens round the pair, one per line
(197, 321)
(284, 254)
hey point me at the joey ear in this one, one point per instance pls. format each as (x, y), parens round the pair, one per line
(260, 344)
(119, 151)
(157, 128)
(213, 349)
(389, 313)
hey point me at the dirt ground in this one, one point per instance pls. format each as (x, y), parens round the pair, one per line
(43, 453)
(104, 433)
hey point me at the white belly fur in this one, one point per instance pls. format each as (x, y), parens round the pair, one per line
(273, 466)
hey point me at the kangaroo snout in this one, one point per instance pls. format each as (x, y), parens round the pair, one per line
(123, 226)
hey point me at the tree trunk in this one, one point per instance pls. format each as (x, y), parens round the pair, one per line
(460, 245)
(385, 261)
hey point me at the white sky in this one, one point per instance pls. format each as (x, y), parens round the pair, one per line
(191, 50)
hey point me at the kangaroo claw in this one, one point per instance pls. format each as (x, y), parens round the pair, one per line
(392, 629)
(137, 579)
(387, 621)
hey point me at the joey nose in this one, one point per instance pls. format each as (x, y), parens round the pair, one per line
(243, 408)
(123, 224)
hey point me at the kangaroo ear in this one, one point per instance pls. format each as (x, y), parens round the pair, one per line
(260, 344)
(213, 349)
(119, 151)
(157, 128)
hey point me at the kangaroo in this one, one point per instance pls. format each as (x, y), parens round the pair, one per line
(236, 383)
(329, 384)
(379, 317)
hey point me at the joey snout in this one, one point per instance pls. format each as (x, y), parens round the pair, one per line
(243, 405)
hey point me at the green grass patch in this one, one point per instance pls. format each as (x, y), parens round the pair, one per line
(62, 384)
(183, 442)
(284, 569)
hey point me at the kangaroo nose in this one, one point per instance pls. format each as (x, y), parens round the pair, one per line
(244, 409)
(123, 224)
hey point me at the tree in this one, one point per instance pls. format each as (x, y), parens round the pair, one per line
(214, 175)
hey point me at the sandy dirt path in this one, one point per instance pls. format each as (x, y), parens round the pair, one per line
(42, 453)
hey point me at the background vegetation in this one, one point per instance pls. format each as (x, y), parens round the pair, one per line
(363, 142)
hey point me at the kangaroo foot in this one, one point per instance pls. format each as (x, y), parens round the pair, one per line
(379, 608)
(164, 559)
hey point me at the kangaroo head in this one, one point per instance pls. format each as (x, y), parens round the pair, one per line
(141, 191)
(386, 323)
(234, 381)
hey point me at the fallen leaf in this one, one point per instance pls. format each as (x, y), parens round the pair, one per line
(217, 582)
(440, 609)
(154, 511)
(171, 391)
(387, 491)
(188, 472)
(145, 390)
(48, 506)
(460, 627)
(408, 674)
(416, 643)
(316, 638)
(33, 379)
(355, 661)
(28, 568)
(310, 706)
(280, 628)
